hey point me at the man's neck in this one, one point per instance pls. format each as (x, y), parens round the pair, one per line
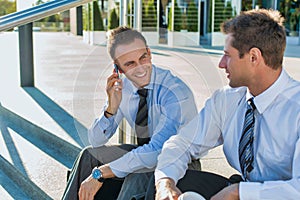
(264, 80)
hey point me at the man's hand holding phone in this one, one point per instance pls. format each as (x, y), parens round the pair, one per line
(116, 70)
(114, 91)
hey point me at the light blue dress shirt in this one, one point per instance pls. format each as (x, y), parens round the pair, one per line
(171, 105)
(276, 173)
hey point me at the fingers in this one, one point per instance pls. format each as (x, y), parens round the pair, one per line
(168, 196)
(88, 189)
(85, 194)
(167, 190)
(113, 82)
(112, 79)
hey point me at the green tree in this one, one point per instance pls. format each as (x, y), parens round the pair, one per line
(7, 7)
(227, 12)
(177, 18)
(219, 18)
(87, 15)
(130, 11)
(247, 5)
(52, 18)
(113, 21)
(97, 18)
(39, 2)
(294, 19)
(149, 20)
(192, 17)
(92, 17)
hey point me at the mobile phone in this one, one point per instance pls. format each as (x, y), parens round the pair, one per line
(117, 69)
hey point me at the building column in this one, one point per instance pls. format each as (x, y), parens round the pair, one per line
(138, 15)
(123, 12)
(76, 20)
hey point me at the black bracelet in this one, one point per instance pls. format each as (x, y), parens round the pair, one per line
(108, 113)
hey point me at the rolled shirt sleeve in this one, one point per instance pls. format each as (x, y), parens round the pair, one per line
(103, 129)
(193, 140)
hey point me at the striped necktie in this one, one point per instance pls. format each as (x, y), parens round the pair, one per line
(141, 121)
(246, 142)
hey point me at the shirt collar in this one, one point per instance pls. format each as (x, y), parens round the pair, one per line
(263, 100)
(152, 80)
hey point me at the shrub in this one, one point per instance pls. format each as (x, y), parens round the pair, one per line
(113, 21)
(97, 18)
(192, 17)
(177, 18)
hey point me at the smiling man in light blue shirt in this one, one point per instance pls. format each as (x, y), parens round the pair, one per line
(269, 161)
(170, 105)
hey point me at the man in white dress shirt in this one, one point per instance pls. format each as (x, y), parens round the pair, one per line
(269, 162)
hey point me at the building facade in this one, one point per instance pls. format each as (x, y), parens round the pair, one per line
(165, 21)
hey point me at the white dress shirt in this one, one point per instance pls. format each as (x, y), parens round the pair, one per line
(171, 105)
(276, 173)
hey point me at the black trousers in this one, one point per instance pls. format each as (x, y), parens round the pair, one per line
(86, 161)
(205, 183)
(91, 157)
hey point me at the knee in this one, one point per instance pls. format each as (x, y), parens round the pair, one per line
(85, 152)
(92, 155)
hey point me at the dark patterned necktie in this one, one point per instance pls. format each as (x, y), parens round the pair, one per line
(246, 142)
(141, 121)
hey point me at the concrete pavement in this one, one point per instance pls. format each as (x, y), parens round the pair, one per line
(44, 127)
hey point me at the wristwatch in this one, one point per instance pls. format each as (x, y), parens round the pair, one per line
(97, 174)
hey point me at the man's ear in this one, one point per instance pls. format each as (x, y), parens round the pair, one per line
(149, 52)
(119, 68)
(255, 55)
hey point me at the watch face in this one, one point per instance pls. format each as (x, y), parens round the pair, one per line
(96, 173)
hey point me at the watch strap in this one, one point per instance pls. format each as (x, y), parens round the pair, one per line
(101, 179)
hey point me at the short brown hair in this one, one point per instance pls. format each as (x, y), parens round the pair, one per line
(122, 35)
(262, 29)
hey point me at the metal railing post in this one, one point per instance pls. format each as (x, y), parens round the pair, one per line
(26, 55)
(122, 132)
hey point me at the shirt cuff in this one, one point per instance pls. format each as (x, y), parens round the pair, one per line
(105, 122)
(249, 190)
(100, 132)
(123, 166)
(159, 175)
(168, 172)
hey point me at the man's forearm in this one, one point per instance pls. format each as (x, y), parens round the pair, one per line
(166, 189)
(228, 193)
(106, 171)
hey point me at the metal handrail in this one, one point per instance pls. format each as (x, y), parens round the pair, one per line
(38, 12)
(27, 10)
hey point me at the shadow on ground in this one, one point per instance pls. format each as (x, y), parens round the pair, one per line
(13, 173)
